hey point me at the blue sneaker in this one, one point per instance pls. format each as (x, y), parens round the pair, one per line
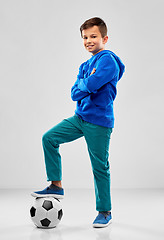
(51, 191)
(102, 220)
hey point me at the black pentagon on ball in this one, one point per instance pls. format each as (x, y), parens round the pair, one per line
(45, 222)
(47, 205)
(32, 212)
(60, 214)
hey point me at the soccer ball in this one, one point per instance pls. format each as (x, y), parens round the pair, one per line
(46, 212)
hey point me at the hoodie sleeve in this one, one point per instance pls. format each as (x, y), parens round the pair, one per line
(76, 93)
(107, 68)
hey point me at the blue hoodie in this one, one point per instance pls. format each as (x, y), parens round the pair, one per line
(95, 93)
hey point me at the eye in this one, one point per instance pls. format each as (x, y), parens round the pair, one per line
(94, 36)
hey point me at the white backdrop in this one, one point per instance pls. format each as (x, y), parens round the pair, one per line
(40, 53)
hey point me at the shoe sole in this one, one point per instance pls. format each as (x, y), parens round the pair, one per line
(47, 195)
(98, 225)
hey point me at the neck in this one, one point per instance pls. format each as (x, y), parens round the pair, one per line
(98, 51)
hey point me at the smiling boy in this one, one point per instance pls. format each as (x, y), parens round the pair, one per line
(93, 41)
(94, 91)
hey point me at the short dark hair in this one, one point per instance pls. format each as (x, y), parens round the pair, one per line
(92, 22)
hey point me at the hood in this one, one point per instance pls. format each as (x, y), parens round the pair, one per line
(120, 64)
(118, 60)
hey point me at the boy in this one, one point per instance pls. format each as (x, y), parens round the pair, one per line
(94, 91)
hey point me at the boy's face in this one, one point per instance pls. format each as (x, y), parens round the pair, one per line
(93, 41)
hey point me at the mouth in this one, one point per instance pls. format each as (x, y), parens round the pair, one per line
(90, 46)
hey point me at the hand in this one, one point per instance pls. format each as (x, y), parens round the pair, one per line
(93, 71)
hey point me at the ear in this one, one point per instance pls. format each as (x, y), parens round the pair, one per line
(105, 39)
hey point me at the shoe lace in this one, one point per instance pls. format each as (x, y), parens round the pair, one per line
(105, 214)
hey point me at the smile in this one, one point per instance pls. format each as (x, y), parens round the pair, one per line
(89, 46)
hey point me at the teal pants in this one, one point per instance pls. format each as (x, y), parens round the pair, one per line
(97, 139)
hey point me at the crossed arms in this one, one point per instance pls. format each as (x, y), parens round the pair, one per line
(76, 93)
(105, 71)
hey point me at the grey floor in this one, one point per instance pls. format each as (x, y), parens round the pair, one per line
(137, 214)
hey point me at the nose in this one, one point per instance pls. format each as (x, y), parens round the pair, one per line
(88, 40)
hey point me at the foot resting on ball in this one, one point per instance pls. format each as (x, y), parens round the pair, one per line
(51, 191)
